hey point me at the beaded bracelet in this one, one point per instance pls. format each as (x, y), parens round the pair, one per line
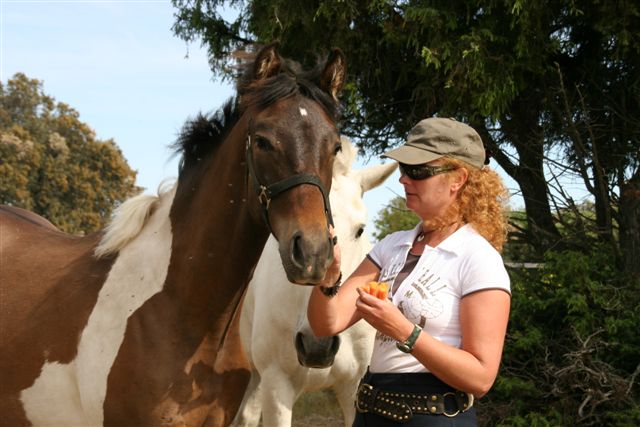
(333, 290)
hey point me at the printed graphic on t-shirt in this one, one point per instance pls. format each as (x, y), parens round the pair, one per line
(419, 300)
(389, 272)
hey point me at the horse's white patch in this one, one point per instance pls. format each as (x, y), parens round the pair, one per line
(54, 400)
(303, 111)
(77, 391)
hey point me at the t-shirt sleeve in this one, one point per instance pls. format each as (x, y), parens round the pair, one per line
(484, 270)
(377, 254)
(374, 261)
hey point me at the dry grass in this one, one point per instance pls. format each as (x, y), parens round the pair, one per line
(317, 409)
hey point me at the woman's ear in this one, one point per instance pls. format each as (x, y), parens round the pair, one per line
(459, 178)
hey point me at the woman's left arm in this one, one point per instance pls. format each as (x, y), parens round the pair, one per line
(472, 368)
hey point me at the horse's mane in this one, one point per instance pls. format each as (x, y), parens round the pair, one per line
(200, 136)
(128, 220)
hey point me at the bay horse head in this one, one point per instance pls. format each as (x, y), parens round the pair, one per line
(286, 119)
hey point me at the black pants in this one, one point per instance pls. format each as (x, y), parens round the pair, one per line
(413, 383)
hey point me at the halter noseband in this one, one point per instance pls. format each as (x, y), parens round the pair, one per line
(268, 192)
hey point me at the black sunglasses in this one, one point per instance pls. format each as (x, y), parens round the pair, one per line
(419, 172)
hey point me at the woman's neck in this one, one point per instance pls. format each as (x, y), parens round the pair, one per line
(433, 236)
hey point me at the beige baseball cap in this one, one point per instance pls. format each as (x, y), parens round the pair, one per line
(437, 137)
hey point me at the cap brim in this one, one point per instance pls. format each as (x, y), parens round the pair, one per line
(410, 155)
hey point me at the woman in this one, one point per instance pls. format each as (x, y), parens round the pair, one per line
(441, 331)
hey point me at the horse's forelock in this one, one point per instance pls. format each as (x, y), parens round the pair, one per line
(290, 80)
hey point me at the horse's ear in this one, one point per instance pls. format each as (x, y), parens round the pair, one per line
(345, 157)
(374, 176)
(267, 62)
(334, 73)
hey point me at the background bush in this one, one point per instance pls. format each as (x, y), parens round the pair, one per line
(572, 350)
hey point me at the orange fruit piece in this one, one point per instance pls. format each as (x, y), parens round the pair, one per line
(379, 290)
(383, 290)
(373, 288)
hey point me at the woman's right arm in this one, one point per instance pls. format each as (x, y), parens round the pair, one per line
(331, 315)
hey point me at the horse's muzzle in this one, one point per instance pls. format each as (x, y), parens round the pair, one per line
(306, 259)
(316, 352)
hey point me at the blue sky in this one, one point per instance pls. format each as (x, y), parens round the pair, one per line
(119, 66)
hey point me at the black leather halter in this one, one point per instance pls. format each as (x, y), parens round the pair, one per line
(266, 193)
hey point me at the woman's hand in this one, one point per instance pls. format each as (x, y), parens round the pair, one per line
(333, 274)
(384, 316)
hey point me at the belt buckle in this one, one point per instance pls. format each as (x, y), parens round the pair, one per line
(470, 399)
(361, 391)
(444, 405)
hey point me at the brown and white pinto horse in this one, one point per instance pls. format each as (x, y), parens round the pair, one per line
(137, 326)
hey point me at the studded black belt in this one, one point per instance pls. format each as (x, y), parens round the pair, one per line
(400, 406)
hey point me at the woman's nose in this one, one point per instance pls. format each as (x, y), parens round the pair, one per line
(403, 179)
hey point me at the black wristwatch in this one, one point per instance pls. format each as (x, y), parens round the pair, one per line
(407, 346)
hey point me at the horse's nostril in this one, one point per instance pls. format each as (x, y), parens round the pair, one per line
(335, 344)
(297, 254)
(299, 344)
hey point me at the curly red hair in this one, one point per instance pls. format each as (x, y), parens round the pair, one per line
(481, 202)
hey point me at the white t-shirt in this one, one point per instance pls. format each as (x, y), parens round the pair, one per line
(430, 295)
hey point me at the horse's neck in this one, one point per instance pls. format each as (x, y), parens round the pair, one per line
(216, 240)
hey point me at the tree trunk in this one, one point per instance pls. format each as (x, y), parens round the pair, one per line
(522, 130)
(630, 225)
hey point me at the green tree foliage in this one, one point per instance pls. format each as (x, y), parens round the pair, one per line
(394, 217)
(571, 356)
(51, 163)
(549, 85)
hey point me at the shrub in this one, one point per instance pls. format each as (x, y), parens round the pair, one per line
(571, 354)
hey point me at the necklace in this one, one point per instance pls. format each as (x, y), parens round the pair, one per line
(422, 234)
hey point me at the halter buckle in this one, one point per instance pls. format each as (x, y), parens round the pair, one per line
(263, 197)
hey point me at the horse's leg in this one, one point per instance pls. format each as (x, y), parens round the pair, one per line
(251, 406)
(278, 397)
(346, 394)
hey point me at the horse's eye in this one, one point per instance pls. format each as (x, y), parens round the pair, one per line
(338, 148)
(263, 143)
(359, 232)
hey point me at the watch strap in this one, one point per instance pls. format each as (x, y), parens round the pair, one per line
(408, 344)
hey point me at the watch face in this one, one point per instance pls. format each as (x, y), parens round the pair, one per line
(407, 346)
(403, 347)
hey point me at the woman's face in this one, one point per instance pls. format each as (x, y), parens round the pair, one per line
(430, 197)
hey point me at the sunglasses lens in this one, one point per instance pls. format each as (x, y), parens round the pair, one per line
(420, 172)
(413, 172)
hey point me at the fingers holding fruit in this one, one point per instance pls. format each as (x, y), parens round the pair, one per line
(379, 290)
(375, 308)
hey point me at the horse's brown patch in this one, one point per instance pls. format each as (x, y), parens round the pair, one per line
(48, 304)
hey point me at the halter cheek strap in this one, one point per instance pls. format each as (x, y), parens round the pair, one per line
(266, 193)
